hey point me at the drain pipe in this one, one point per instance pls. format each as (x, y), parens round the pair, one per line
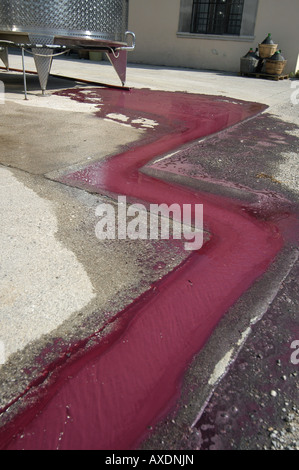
(128, 48)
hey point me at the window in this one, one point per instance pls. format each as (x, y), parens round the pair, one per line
(222, 18)
(217, 17)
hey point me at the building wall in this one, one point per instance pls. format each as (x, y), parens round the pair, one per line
(162, 37)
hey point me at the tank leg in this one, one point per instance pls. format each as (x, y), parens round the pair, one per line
(43, 58)
(119, 61)
(24, 74)
(4, 56)
(43, 66)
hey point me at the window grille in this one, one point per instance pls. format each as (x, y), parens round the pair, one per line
(217, 16)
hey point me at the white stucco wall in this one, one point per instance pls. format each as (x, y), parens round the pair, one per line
(156, 24)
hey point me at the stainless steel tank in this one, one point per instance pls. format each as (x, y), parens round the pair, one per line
(93, 24)
(99, 19)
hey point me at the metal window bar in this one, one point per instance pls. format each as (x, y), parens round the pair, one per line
(217, 17)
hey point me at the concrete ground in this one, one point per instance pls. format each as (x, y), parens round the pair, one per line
(59, 283)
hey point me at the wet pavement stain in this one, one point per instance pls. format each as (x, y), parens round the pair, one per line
(128, 380)
(230, 421)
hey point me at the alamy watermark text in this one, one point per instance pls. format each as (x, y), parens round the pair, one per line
(161, 221)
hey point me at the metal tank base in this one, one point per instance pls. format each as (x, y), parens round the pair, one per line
(44, 51)
(46, 28)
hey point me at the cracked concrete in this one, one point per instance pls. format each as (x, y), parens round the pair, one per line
(42, 283)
